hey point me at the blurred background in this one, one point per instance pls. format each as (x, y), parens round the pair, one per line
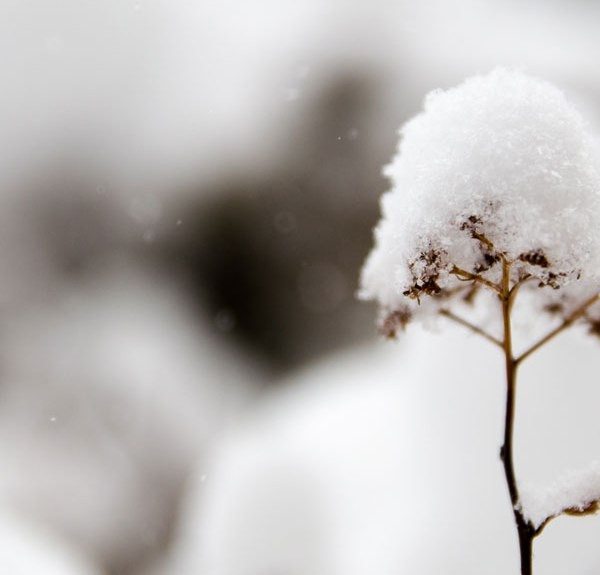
(187, 193)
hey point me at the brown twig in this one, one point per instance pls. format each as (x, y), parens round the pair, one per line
(468, 276)
(567, 322)
(525, 530)
(512, 294)
(487, 243)
(474, 328)
(507, 295)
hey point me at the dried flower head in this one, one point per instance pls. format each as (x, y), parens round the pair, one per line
(500, 167)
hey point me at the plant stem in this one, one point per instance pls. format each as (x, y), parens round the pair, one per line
(525, 530)
(468, 276)
(474, 328)
(507, 295)
(567, 322)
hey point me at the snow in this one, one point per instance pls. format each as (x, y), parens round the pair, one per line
(28, 548)
(504, 156)
(576, 491)
(112, 391)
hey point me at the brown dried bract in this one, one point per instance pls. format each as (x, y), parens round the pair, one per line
(553, 280)
(555, 308)
(426, 281)
(395, 321)
(594, 327)
(488, 261)
(488, 252)
(470, 224)
(473, 226)
(535, 258)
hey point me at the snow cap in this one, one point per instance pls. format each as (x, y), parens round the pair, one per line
(502, 158)
(576, 493)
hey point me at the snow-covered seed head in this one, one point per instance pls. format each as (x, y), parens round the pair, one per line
(502, 167)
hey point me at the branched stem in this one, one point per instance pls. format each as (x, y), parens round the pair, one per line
(507, 294)
(474, 328)
(566, 323)
(512, 294)
(526, 531)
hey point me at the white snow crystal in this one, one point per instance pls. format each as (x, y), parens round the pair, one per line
(504, 156)
(576, 491)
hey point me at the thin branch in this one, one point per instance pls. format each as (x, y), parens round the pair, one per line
(512, 294)
(467, 276)
(567, 322)
(487, 243)
(475, 329)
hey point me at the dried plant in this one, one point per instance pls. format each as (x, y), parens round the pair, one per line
(496, 191)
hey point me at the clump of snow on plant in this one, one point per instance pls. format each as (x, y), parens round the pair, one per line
(576, 491)
(505, 157)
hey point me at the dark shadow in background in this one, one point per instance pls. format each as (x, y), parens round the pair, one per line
(277, 259)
